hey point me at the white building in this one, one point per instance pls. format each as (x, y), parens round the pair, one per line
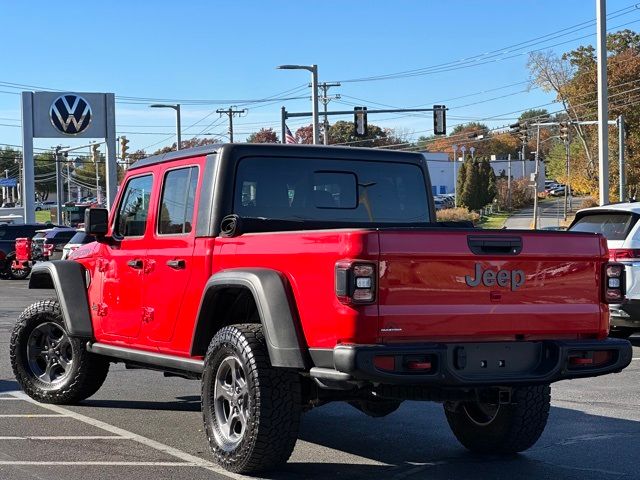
(443, 179)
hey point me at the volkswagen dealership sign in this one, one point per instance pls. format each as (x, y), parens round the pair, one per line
(66, 115)
(63, 115)
(70, 114)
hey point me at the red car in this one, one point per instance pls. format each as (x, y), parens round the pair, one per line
(286, 277)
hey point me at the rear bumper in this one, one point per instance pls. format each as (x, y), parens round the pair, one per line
(478, 364)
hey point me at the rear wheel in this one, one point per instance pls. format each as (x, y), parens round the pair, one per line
(18, 273)
(251, 410)
(49, 365)
(501, 428)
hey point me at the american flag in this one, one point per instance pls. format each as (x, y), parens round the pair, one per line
(288, 136)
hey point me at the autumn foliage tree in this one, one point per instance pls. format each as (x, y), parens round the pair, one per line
(573, 77)
(264, 135)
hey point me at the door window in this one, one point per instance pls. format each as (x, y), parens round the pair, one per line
(134, 208)
(177, 203)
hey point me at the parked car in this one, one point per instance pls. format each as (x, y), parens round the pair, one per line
(55, 239)
(48, 205)
(8, 235)
(619, 224)
(557, 192)
(79, 239)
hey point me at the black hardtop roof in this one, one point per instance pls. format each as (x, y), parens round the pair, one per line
(281, 149)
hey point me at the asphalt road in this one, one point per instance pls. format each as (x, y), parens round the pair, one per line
(550, 212)
(141, 425)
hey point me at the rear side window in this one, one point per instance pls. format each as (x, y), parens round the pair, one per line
(177, 202)
(331, 190)
(134, 207)
(614, 226)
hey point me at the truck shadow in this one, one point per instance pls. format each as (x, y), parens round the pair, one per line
(415, 442)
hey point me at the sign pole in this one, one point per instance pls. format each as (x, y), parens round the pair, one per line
(110, 138)
(28, 180)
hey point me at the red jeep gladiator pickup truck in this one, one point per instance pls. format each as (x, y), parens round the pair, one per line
(285, 277)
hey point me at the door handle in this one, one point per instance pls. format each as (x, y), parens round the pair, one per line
(178, 264)
(137, 263)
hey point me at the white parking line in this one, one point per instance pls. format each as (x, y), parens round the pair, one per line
(188, 459)
(68, 437)
(635, 359)
(81, 463)
(30, 415)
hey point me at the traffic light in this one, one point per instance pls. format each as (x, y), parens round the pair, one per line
(439, 120)
(564, 131)
(521, 130)
(360, 121)
(124, 147)
(95, 154)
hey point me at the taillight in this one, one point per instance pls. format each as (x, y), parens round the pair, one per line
(618, 254)
(614, 284)
(356, 282)
(47, 249)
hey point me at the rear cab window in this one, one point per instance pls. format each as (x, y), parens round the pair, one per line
(175, 215)
(350, 191)
(614, 226)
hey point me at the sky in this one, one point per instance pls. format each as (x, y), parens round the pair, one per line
(207, 55)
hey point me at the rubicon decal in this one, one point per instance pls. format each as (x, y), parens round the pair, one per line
(503, 278)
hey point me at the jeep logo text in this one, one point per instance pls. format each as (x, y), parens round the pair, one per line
(489, 278)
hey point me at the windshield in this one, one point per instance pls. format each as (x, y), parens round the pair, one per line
(614, 226)
(331, 190)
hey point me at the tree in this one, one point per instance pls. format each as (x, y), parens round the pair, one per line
(305, 135)
(461, 180)
(471, 196)
(189, 143)
(264, 135)
(573, 78)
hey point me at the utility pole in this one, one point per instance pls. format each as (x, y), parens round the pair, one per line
(68, 180)
(603, 102)
(325, 101)
(59, 189)
(509, 182)
(95, 155)
(621, 169)
(455, 176)
(231, 112)
(535, 182)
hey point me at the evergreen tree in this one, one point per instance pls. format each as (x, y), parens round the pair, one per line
(460, 181)
(471, 194)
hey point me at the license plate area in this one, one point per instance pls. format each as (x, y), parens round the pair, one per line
(495, 359)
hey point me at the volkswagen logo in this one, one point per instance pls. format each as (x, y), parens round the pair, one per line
(70, 114)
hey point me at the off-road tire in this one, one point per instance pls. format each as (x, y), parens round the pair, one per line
(514, 428)
(87, 371)
(17, 273)
(376, 408)
(273, 406)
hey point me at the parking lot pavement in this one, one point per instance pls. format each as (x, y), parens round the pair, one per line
(141, 425)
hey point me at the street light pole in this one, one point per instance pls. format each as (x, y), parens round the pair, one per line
(176, 107)
(455, 175)
(314, 93)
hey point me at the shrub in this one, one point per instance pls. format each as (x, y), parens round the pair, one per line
(589, 202)
(521, 193)
(457, 215)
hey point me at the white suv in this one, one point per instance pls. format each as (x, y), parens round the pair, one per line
(619, 224)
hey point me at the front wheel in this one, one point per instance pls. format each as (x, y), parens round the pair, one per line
(502, 428)
(251, 410)
(49, 365)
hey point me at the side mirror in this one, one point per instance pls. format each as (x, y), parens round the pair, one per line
(96, 221)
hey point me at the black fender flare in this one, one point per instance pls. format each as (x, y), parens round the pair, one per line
(68, 279)
(276, 309)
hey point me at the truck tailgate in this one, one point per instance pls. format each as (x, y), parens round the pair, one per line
(458, 284)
